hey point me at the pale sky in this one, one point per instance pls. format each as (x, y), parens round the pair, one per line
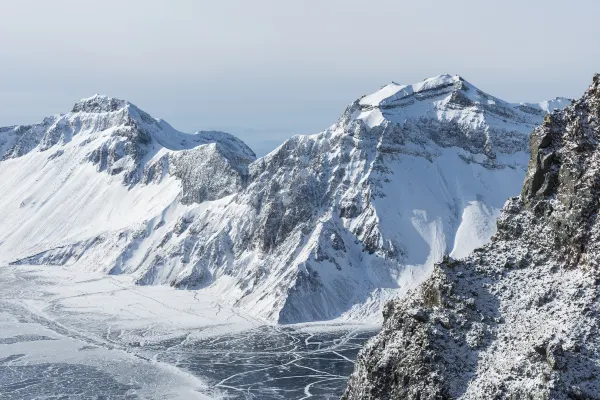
(267, 69)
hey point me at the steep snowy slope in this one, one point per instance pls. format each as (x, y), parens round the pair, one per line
(327, 225)
(518, 318)
(104, 167)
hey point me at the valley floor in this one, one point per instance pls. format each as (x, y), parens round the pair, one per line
(74, 335)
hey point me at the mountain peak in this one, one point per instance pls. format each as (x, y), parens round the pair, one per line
(433, 81)
(395, 91)
(122, 139)
(99, 103)
(449, 111)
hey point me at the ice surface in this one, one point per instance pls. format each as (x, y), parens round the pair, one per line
(81, 335)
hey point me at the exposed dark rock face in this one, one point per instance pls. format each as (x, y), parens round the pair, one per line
(520, 317)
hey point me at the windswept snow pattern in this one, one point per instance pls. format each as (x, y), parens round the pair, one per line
(326, 226)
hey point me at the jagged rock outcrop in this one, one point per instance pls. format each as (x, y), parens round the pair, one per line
(519, 318)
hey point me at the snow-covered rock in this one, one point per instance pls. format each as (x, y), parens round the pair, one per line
(326, 225)
(519, 317)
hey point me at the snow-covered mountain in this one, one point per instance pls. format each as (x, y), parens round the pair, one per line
(518, 318)
(103, 168)
(326, 225)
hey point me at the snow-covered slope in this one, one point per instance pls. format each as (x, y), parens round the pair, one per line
(105, 167)
(326, 225)
(518, 318)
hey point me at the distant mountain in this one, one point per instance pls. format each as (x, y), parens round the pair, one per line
(519, 317)
(326, 225)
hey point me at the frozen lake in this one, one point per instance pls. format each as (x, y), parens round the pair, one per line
(66, 335)
(272, 363)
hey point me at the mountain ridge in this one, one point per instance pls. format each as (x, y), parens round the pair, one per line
(326, 226)
(125, 113)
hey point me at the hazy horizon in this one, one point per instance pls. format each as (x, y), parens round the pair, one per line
(267, 70)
